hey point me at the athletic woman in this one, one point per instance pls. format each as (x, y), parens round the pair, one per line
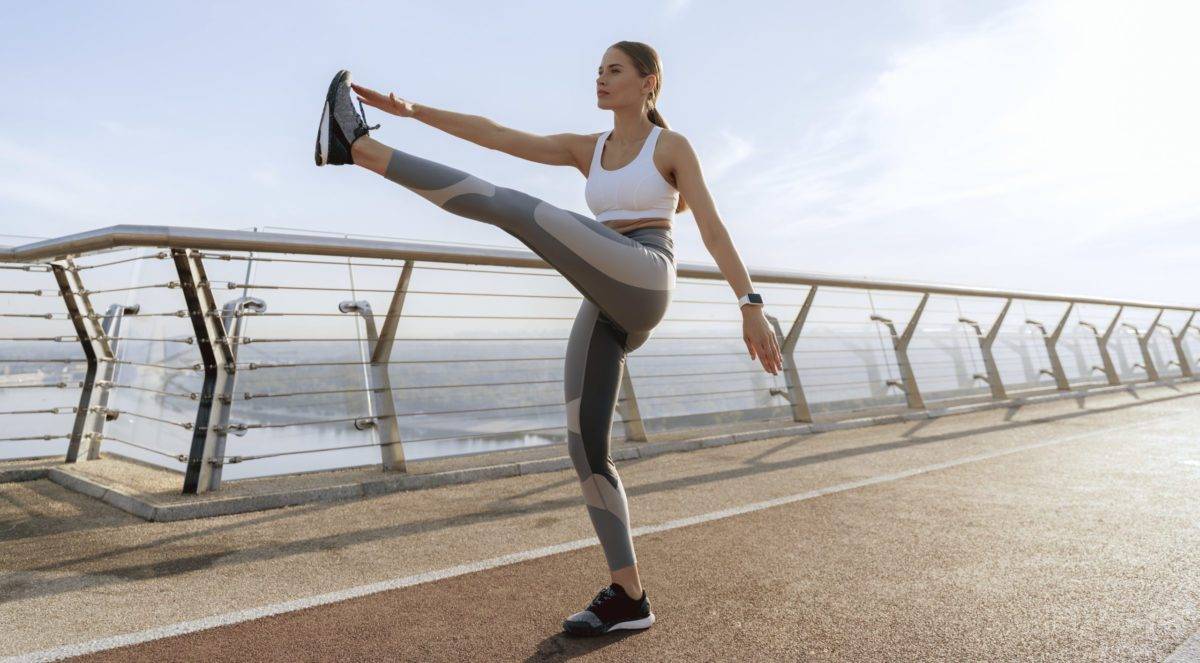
(622, 262)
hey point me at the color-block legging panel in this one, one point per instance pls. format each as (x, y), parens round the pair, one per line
(626, 287)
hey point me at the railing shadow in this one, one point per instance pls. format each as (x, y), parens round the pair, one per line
(12, 588)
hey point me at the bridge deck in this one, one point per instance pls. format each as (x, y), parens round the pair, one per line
(1062, 530)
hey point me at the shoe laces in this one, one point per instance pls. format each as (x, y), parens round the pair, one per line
(603, 596)
(363, 116)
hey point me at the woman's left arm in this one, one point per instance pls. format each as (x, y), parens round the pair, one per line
(756, 330)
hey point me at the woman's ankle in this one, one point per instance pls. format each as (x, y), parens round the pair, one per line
(630, 581)
(634, 593)
(370, 154)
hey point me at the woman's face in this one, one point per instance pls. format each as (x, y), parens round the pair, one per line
(618, 83)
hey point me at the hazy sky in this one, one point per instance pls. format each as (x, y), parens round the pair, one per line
(1049, 145)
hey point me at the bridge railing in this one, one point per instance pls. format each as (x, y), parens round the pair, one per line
(226, 354)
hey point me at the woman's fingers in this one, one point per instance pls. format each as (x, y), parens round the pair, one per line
(765, 351)
(770, 355)
(763, 345)
(389, 102)
(371, 96)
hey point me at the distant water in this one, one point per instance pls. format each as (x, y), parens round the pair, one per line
(438, 419)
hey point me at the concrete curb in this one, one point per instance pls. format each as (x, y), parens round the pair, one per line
(32, 472)
(151, 511)
(23, 474)
(108, 494)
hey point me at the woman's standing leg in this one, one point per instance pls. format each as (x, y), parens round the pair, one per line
(592, 381)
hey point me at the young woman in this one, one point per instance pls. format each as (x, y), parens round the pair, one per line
(622, 262)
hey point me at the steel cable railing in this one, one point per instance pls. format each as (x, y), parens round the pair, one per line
(865, 343)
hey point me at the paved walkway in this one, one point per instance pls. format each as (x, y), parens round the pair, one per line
(1063, 530)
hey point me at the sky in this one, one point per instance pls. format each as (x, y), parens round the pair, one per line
(1049, 145)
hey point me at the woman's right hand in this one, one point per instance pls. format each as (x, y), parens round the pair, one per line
(388, 103)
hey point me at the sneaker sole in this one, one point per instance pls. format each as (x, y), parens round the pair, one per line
(322, 149)
(632, 625)
(587, 629)
(322, 154)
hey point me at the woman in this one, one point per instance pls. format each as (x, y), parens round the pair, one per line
(622, 261)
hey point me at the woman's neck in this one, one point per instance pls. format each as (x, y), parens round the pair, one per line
(630, 127)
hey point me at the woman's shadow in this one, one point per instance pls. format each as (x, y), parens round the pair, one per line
(563, 646)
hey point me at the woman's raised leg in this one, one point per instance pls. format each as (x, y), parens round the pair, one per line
(631, 283)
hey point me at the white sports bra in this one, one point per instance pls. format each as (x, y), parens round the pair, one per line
(634, 191)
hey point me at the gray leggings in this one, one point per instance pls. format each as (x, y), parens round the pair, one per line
(626, 282)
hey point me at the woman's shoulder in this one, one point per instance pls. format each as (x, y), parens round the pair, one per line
(587, 142)
(673, 146)
(672, 137)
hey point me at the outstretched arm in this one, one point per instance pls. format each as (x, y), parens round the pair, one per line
(555, 149)
(757, 331)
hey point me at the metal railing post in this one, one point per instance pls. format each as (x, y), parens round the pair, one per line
(1051, 340)
(218, 361)
(908, 383)
(89, 415)
(992, 378)
(1185, 364)
(787, 346)
(1109, 368)
(1197, 330)
(383, 407)
(233, 321)
(112, 329)
(1144, 344)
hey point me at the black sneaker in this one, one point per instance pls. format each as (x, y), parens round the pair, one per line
(611, 610)
(341, 125)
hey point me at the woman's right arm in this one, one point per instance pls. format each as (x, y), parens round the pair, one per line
(555, 149)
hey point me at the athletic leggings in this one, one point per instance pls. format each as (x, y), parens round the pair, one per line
(626, 282)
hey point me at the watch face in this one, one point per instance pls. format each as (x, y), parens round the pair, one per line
(755, 298)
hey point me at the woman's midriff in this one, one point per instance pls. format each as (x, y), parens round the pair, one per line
(625, 225)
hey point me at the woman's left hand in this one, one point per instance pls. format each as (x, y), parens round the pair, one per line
(760, 339)
(388, 103)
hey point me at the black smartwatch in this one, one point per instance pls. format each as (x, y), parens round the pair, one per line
(750, 298)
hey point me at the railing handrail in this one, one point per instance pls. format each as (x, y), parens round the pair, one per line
(128, 235)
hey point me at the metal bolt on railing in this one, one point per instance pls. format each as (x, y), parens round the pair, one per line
(782, 393)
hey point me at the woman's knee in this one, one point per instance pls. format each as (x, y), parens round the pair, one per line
(578, 454)
(504, 208)
(635, 340)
